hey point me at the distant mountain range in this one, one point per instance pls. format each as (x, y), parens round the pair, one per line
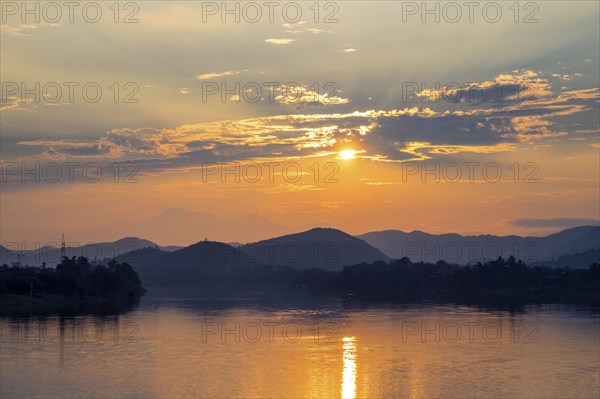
(9, 254)
(455, 248)
(329, 249)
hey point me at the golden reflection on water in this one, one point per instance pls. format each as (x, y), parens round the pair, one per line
(168, 356)
(349, 368)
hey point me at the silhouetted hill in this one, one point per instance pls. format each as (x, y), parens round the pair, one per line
(329, 249)
(325, 248)
(455, 248)
(197, 261)
(577, 261)
(570, 241)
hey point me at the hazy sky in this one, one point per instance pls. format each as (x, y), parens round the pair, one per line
(358, 115)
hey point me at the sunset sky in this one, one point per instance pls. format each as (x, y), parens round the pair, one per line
(344, 123)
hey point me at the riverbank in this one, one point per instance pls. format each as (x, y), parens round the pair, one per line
(46, 304)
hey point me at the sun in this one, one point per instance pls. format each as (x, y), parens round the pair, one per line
(347, 154)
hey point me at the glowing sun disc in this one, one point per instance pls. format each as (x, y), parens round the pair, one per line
(347, 154)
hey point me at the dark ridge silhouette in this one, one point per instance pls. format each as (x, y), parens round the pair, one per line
(332, 249)
(455, 248)
(326, 248)
(91, 251)
(198, 262)
(577, 260)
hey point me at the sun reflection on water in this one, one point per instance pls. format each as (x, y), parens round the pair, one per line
(349, 369)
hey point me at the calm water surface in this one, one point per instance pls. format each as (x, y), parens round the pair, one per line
(254, 343)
